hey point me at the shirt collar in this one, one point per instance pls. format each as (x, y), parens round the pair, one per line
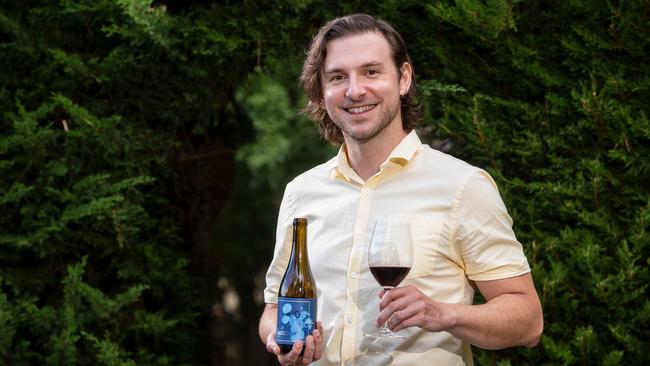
(401, 155)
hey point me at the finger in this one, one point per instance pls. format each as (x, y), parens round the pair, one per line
(392, 307)
(382, 293)
(308, 356)
(414, 314)
(271, 346)
(293, 355)
(318, 340)
(290, 357)
(386, 298)
(393, 294)
(393, 321)
(403, 323)
(410, 292)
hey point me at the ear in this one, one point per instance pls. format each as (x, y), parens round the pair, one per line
(405, 78)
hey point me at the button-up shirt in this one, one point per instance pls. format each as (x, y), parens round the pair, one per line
(461, 232)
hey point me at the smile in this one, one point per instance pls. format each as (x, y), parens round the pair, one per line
(356, 110)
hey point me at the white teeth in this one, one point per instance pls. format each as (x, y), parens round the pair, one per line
(361, 109)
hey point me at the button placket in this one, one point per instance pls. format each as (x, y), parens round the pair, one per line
(354, 267)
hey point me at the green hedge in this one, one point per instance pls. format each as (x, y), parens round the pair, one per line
(140, 142)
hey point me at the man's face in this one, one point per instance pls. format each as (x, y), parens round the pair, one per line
(362, 86)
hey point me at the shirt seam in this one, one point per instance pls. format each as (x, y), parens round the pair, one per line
(455, 208)
(286, 220)
(291, 209)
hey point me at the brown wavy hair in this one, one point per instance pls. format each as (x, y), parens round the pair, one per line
(310, 78)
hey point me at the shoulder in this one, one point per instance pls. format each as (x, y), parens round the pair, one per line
(439, 164)
(313, 177)
(302, 187)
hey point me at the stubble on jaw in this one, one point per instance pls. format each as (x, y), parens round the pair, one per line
(385, 118)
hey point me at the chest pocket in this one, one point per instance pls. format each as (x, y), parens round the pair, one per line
(425, 235)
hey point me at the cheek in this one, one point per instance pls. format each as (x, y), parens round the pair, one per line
(328, 93)
(329, 97)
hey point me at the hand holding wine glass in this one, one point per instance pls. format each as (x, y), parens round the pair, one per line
(390, 256)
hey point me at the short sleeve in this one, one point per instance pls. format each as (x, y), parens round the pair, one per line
(484, 235)
(282, 250)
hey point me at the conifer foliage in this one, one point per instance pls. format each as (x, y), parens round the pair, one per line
(94, 269)
(555, 107)
(123, 124)
(84, 257)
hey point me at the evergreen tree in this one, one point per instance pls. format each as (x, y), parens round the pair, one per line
(144, 147)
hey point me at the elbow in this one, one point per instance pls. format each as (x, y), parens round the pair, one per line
(535, 333)
(533, 341)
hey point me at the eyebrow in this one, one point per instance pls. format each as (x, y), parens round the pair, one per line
(365, 65)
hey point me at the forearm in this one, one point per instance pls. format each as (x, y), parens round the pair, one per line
(512, 315)
(505, 321)
(268, 321)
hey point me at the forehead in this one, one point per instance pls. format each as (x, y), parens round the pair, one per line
(356, 50)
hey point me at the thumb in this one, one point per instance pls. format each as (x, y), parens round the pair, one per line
(271, 346)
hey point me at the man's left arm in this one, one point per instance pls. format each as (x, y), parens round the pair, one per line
(511, 315)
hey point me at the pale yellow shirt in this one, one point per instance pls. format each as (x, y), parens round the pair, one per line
(461, 232)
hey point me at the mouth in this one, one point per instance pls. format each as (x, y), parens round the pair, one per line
(360, 109)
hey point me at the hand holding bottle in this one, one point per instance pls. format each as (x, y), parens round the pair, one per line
(312, 348)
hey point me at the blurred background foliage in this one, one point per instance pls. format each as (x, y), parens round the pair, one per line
(144, 148)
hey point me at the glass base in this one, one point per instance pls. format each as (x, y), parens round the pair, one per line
(384, 332)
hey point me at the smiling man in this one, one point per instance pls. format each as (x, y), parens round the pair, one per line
(360, 83)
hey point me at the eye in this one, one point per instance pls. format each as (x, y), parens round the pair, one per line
(336, 78)
(372, 72)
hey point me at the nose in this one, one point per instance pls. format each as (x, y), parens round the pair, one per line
(355, 89)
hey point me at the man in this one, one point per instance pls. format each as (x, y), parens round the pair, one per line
(360, 83)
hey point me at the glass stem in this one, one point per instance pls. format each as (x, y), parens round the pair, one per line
(384, 327)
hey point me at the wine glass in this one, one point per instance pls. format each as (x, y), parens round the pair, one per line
(390, 256)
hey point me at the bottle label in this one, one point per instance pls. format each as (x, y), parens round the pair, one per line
(296, 319)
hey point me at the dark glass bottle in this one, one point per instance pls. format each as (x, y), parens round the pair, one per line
(297, 294)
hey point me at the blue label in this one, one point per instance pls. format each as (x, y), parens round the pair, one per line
(296, 319)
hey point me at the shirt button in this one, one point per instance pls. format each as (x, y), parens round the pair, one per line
(354, 275)
(350, 320)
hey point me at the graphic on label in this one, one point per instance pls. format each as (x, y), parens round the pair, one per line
(295, 319)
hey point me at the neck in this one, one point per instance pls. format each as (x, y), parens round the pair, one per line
(366, 157)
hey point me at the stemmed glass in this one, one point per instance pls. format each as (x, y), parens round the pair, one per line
(390, 256)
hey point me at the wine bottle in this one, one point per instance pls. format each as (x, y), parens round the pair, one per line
(297, 294)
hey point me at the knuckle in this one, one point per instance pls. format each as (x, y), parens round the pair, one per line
(396, 317)
(392, 307)
(418, 318)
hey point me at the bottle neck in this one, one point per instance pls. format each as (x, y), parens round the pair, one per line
(298, 280)
(299, 250)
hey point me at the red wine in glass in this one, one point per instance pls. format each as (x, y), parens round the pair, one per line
(389, 277)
